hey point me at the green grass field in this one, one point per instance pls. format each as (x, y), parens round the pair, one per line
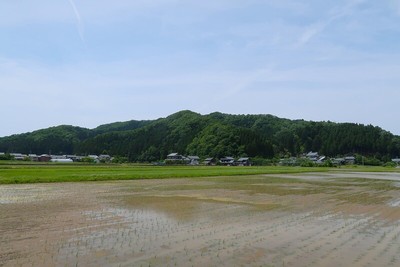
(13, 173)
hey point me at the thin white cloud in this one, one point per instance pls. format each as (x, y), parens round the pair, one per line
(79, 22)
(310, 32)
(319, 27)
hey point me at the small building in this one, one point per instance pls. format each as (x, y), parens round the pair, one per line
(321, 160)
(44, 158)
(74, 157)
(350, 160)
(18, 156)
(175, 156)
(33, 157)
(313, 156)
(397, 161)
(288, 161)
(243, 162)
(104, 158)
(58, 156)
(209, 161)
(95, 158)
(193, 160)
(227, 161)
(62, 160)
(338, 161)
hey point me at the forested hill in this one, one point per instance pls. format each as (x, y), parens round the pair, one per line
(213, 135)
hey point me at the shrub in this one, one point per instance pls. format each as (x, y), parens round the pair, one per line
(6, 157)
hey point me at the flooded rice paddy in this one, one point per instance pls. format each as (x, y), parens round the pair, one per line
(315, 219)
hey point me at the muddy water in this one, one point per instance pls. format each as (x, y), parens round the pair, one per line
(331, 219)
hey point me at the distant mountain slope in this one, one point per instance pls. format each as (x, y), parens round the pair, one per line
(152, 141)
(120, 126)
(61, 139)
(213, 135)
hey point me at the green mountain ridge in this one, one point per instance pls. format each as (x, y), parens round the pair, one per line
(213, 135)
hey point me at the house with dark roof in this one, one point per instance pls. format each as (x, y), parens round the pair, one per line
(351, 160)
(209, 161)
(313, 156)
(33, 157)
(175, 156)
(227, 161)
(193, 160)
(44, 158)
(243, 162)
(104, 158)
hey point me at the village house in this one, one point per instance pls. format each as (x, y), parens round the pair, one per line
(193, 160)
(175, 156)
(104, 158)
(180, 159)
(397, 161)
(58, 157)
(74, 158)
(313, 156)
(95, 158)
(33, 157)
(321, 160)
(209, 161)
(350, 160)
(18, 156)
(288, 161)
(243, 162)
(44, 158)
(228, 161)
(338, 161)
(61, 160)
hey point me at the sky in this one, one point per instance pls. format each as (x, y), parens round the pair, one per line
(91, 62)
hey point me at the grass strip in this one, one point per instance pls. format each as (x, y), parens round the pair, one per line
(47, 173)
(15, 174)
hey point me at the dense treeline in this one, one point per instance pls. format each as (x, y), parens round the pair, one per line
(61, 139)
(213, 135)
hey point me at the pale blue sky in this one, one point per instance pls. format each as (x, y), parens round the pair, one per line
(90, 62)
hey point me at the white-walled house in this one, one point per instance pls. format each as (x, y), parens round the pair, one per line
(229, 161)
(194, 160)
(62, 160)
(243, 162)
(175, 156)
(397, 161)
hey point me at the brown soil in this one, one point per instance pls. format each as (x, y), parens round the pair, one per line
(333, 219)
